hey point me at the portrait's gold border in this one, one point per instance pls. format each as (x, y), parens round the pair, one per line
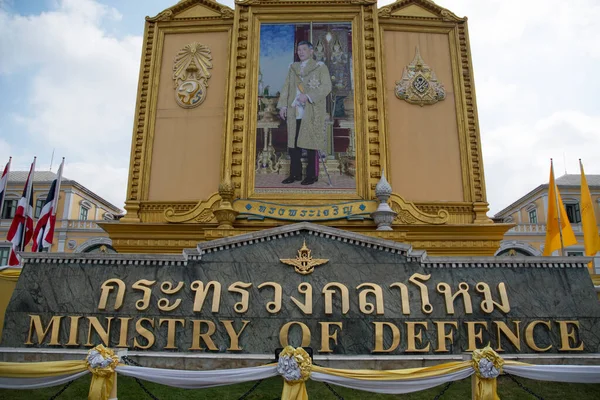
(250, 149)
(241, 126)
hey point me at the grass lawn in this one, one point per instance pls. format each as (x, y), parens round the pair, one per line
(270, 389)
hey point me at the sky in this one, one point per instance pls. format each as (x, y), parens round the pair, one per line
(69, 72)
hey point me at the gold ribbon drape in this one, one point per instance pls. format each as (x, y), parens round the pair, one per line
(296, 389)
(485, 386)
(40, 369)
(396, 374)
(10, 274)
(103, 378)
(295, 365)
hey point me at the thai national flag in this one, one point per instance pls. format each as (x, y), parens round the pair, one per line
(4, 183)
(44, 229)
(21, 229)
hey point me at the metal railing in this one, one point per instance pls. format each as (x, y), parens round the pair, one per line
(77, 224)
(539, 228)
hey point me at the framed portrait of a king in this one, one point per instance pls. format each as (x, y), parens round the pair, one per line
(305, 126)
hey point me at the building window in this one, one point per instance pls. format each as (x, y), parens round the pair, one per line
(575, 253)
(4, 252)
(533, 216)
(573, 212)
(39, 204)
(9, 209)
(108, 216)
(513, 252)
(83, 213)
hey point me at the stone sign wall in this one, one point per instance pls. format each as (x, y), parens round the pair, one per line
(342, 294)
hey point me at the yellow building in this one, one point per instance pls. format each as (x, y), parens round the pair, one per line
(529, 213)
(209, 149)
(76, 231)
(79, 210)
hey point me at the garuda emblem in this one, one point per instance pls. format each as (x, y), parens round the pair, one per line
(191, 74)
(304, 264)
(419, 84)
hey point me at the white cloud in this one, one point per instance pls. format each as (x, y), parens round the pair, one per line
(81, 87)
(535, 65)
(5, 153)
(100, 179)
(517, 156)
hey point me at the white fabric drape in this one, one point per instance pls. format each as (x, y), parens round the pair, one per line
(392, 387)
(38, 383)
(198, 379)
(557, 373)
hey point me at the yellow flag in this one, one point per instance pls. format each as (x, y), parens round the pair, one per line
(553, 231)
(591, 239)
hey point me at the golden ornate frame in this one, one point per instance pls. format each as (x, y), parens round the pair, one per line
(244, 72)
(459, 227)
(296, 15)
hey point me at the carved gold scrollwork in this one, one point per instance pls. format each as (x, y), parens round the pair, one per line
(450, 16)
(227, 12)
(384, 12)
(419, 84)
(165, 15)
(191, 75)
(440, 12)
(408, 213)
(202, 212)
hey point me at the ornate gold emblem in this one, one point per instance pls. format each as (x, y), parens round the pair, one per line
(304, 264)
(190, 73)
(419, 85)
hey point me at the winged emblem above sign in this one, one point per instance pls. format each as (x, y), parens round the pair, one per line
(304, 264)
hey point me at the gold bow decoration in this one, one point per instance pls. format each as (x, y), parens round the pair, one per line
(488, 366)
(295, 366)
(101, 362)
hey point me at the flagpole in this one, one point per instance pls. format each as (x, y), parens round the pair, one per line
(56, 197)
(5, 187)
(562, 247)
(28, 195)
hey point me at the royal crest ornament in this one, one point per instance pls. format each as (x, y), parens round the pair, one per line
(314, 83)
(304, 264)
(419, 84)
(191, 75)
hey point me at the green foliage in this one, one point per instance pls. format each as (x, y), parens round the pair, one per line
(270, 389)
